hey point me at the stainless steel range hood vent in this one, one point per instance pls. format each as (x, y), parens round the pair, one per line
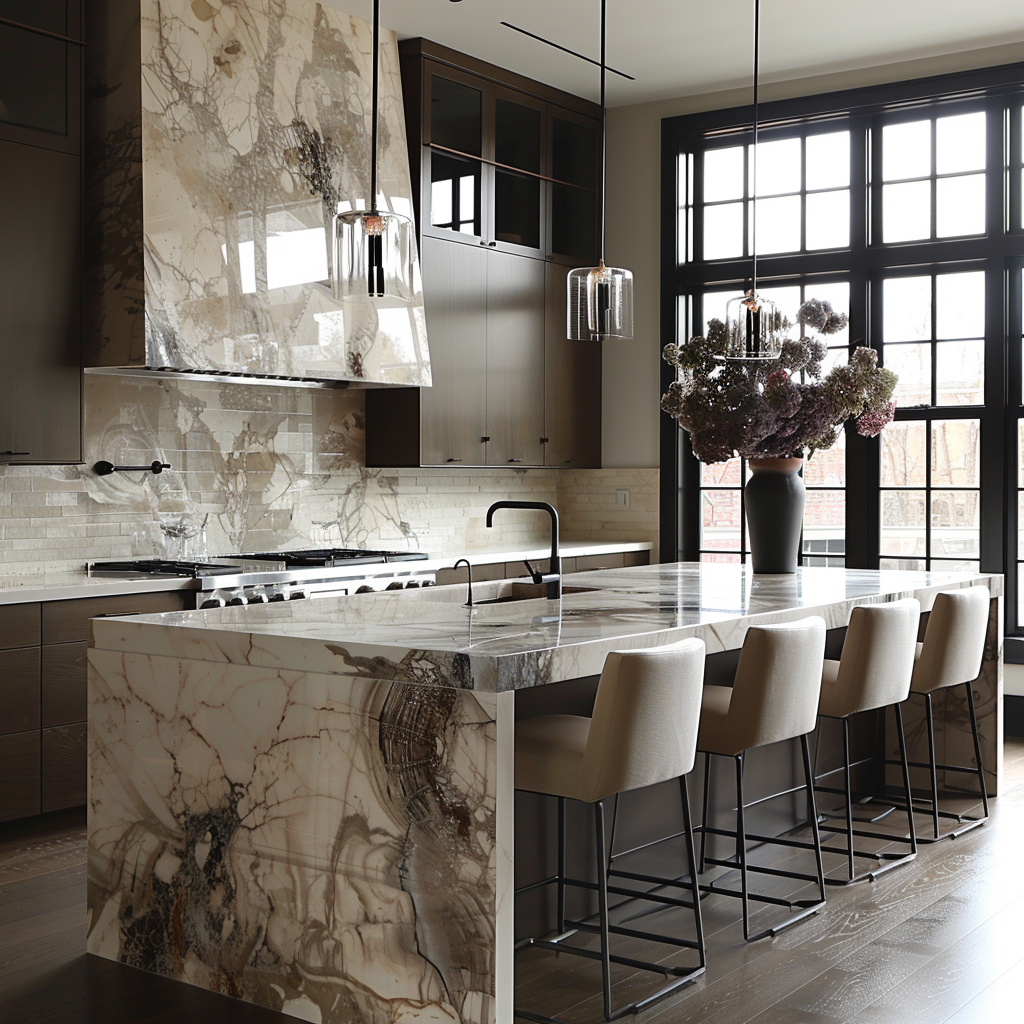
(209, 214)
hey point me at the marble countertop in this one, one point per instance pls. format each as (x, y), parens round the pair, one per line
(62, 586)
(430, 637)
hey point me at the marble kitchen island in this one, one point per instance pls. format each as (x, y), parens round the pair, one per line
(310, 806)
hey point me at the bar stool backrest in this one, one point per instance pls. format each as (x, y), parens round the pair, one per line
(878, 655)
(778, 682)
(954, 640)
(644, 726)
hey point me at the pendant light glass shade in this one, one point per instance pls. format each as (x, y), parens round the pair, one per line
(753, 328)
(600, 299)
(600, 303)
(373, 256)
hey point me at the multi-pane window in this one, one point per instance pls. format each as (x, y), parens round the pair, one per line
(897, 204)
(933, 175)
(800, 200)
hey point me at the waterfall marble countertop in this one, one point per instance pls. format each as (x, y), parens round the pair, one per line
(430, 638)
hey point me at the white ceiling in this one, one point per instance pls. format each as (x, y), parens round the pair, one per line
(679, 47)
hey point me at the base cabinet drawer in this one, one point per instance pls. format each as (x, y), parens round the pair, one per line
(19, 625)
(64, 767)
(65, 683)
(587, 563)
(19, 690)
(19, 770)
(66, 622)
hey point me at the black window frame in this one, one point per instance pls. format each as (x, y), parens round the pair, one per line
(1000, 252)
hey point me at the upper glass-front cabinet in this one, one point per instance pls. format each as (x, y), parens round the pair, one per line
(502, 170)
(40, 69)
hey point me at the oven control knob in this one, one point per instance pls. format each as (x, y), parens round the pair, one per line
(429, 583)
(297, 595)
(213, 602)
(279, 596)
(397, 585)
(258, 598)
(237, 600)
(364, 590)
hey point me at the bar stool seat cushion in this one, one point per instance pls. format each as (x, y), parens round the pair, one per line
(954, 640)
(549, 753)
(643, 730)
(775, 691)
(877, 660)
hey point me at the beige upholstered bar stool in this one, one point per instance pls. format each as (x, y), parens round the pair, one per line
(872, 673)
(774, 697)
(951, 655)
(643, 731)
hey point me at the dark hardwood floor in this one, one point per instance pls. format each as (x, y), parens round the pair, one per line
(938, 941)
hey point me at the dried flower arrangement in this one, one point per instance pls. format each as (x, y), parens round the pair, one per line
(758, 410)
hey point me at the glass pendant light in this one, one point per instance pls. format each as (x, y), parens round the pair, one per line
(601, 298)
(753, 324)
(373, 249)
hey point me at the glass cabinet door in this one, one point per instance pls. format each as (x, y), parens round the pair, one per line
(518, 140)
(456, 141)
(574, 196)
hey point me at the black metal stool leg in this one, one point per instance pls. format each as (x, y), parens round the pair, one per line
(561, 865)
(906, 777)
(704, 812)
(931, 762)
(692, 864)
(741, 845)
(812, 814)
(977, 748)
(849, 798)
(602, 904)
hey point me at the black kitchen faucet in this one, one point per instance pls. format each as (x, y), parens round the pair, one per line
(553, 577)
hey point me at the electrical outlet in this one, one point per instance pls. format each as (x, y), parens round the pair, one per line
(622, 499)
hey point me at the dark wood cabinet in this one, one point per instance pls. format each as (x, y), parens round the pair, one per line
(506, 204)
(454, 413)
(40, 233)
(515, 360)
(44, 693)
(40, 352)
(572, 377)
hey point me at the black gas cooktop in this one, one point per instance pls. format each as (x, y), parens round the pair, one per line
(316, 558)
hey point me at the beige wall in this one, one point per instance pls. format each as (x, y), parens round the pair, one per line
(631, 369)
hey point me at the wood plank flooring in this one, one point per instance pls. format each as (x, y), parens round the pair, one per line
(937, 941)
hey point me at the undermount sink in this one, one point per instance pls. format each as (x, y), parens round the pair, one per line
(522, 592)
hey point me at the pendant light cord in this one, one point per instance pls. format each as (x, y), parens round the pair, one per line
(373, 127)
(753, 207)
(604, 124)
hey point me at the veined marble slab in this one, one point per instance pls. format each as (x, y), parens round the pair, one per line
(310, 807)
(433, 640)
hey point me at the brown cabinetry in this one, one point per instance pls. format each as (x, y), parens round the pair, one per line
(43, 696)
(507, 202)
(40, 214)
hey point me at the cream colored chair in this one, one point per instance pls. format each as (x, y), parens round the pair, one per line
(951, 655)
(643, 731)
(774, 697)
(873, 673)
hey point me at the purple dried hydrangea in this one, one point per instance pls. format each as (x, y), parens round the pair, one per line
(760, 410)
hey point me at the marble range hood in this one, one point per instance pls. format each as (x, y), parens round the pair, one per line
(221, 135)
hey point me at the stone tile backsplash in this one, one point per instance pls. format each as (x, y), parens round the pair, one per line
(276, 467)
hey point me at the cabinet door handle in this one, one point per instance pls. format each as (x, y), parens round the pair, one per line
(544, 440)
(485, 438)
(455, 460)
(515, 460)
(570, 462)
(14, 453)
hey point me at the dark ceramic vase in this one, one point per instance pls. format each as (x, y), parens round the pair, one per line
(774, 498)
